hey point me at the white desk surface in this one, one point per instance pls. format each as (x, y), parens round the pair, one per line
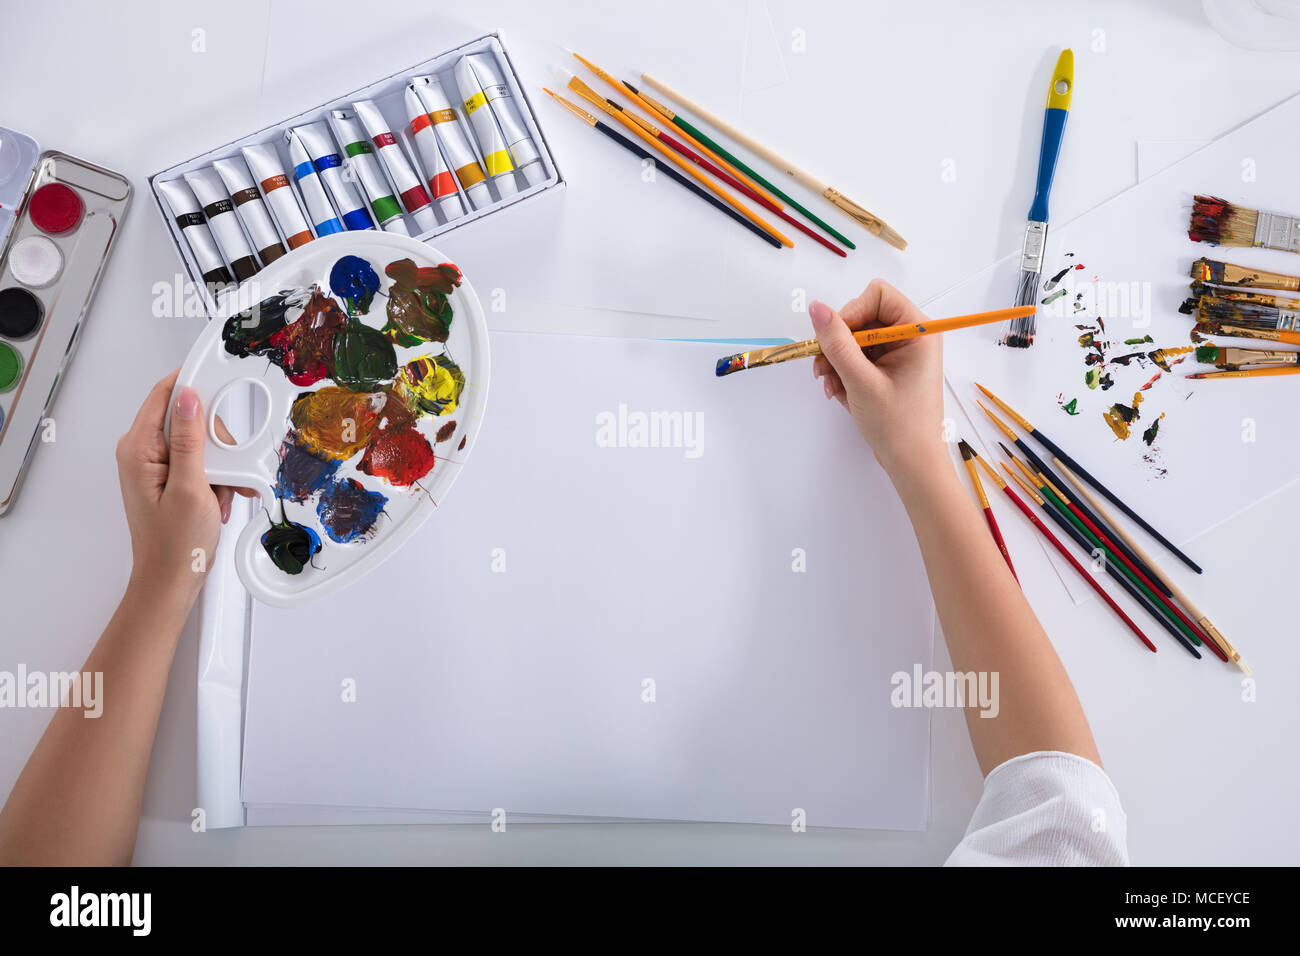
(941, 80)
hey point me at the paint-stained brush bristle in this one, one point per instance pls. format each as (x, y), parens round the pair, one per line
(1020, 334)
(1220, 222)
(732, 363)
(967, 453)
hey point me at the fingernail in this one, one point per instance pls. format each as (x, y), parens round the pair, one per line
(225, 511)
(827, 386)
(820, 313)
(187, 403)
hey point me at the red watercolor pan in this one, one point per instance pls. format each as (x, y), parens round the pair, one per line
(59, 216)
(56, 208)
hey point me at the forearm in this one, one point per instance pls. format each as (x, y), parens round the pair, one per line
(989, 626)
(78, 798)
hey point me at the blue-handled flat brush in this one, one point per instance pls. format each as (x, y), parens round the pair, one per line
(1020, 335)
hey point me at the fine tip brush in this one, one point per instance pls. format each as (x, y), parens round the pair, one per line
(865, 338)
(1021, 333)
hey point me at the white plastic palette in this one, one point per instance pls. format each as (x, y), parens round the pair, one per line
(214, 372)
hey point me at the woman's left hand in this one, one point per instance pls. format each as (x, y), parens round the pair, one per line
(174, 515)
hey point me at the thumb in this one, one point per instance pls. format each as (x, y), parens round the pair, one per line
(841, 350)
(185, 443)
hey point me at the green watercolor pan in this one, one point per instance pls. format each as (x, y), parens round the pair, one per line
(59, 217)
(353, 372)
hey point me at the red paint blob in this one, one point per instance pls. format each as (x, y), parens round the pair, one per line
(401, 456)
(56, 208)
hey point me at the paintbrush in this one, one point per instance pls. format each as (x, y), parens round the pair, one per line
(1225, 273)
(1249, 372)
(667, 170)
(865, 338)
(1231, 359)
(1202, 289)
(1203, 620)
(1087, 476)
(1163, 602)
(695, 134)
(1222, 223)
(872, 223)
(1216, 310)
(1286, 337)
(657, 109)
(1046, 470)
(1071, 525)
(573, 83)
(1056, 543)
(1021, 333)
(967, 455)
(726, 177)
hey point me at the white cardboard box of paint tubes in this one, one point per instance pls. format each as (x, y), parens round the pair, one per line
(455, 134)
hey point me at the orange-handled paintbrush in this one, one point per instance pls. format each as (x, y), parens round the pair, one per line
(866, 338)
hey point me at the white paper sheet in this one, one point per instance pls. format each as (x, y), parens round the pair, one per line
(523, 688)
(1223, 445)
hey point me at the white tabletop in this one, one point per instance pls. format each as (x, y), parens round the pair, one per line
(944, 86)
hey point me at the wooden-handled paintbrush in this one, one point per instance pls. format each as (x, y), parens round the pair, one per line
(869, 221)
(1087, 476)
(865, 338)
(1202, 619)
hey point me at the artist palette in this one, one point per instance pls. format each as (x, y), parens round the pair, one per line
(59, 216)
(367, 357)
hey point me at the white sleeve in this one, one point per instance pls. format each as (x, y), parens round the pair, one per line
(1046, 809)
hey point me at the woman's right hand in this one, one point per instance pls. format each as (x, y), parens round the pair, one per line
(894, 391)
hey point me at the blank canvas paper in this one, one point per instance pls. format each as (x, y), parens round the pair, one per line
(595, 626)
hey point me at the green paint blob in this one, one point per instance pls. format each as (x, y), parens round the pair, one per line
(1054, 296)
(1092, 377)
(11, 364)
(1208, 354)
(364, 358)
(1071, 407)
(1141, 341)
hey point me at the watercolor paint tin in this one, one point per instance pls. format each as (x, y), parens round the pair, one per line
(388, 95)
(337, 430)
(59, 217)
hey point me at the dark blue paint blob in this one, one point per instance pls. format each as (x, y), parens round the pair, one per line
(348, 512)
(301, 474)
(355, 282)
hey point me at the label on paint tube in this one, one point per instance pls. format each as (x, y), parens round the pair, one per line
(194, 228)
(436, 172)
(313, 193)
(414, 198)
(493, 147)
(264, 163)
(460, 157)
(362, 158)
(211, 191)
(250, 209)
(328, 164)
(503, 106)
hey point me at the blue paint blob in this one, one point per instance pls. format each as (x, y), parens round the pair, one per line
(348, 512)
(355, 282)
(301, 474)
